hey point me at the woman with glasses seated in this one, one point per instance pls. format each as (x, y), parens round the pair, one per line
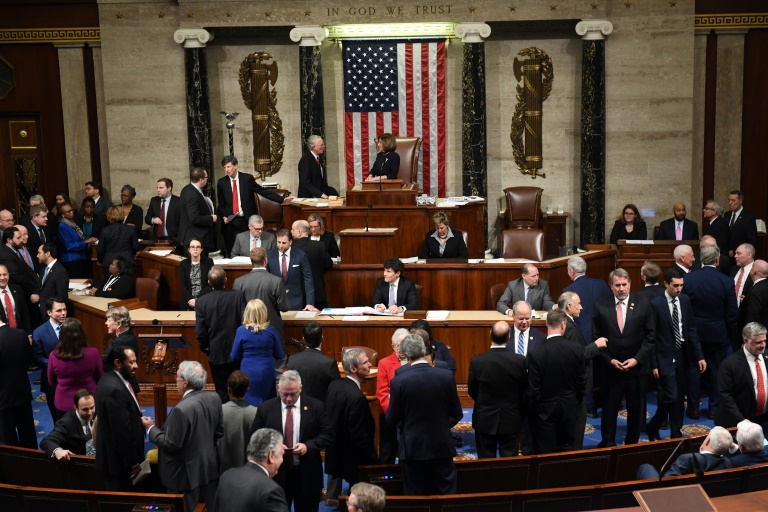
(630, 226)
(387, 163)
(193, 275)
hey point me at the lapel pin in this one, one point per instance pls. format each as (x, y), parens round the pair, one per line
(305, 407)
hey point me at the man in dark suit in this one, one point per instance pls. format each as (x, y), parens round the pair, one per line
(260, 284)
(751, 442)
(711, 457)
(756, 304)
(44, 340)
(301, 474)
(442, 351)
(187, 441)
(556, 380)
(629, 325)
(317, 370)
(684, 259)
(677, 349)
(197, 219)
(71, 433)
(237, 201)
(714, 305)
(164, 212)
(740, 221)
(524, 339)
(742, 381)
(425, 406)
(120, 439)
(22, 275)
(715, 226)
(94, 190)
(6, 220)
(313, 178)
(570, 303)
(13, 306)
(255, 238)
(319, 259)
(250, 487)
(497, 382)
(724, 267)
(394, 293)
(293, 267)
(741, 273)
(39, 231)
(678, 227)
(53, 280)
(353, 426)
(527, 287)
(650, 273)
(218, 314)
(17, 426)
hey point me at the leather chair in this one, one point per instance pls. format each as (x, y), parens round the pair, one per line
(523, 207)
(155, 274)
(270, 211)
(293, 346)
(419, 290)
(497, 291)
(148, 290)
(409, 149)
(373, 356)
(527, 244)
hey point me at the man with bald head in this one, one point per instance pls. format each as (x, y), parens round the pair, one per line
(497, 382)
(319, 260)
(678, 227)
(755, 305)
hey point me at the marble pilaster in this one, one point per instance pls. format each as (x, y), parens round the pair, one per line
(699, 86)
(101, 116)
(310, 81)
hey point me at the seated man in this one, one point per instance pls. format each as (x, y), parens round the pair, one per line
(751, 445)
(678, 227)
(527, 287)
(393, 293)
(72, 433)
(711, 457)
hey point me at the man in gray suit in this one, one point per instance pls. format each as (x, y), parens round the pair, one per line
(187, 441)
(254, 238)
(260, 284)
(527, 287)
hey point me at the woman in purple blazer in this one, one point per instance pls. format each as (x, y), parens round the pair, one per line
(72, 365)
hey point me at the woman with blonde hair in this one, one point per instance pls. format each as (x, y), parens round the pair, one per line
(256, 347)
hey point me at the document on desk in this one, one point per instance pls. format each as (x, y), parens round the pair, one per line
(161, 252)
(237, 260)
(305, 314)
(413, 259)
(437, 315)
(363, 318)
(78, 286)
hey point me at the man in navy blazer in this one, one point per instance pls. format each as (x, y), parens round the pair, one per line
(393, 285)
(53, 280)
(651, 274)
(37, 222)
(425, 406)
(299, 284)
(751, 441)
(197, 219)
(44, 340)
(711, 457)
(740, 221)
(317, 370)
(17, 426)
(713, 298)
(313, 178)
(678, 227)
(676, 350)
(171, 207)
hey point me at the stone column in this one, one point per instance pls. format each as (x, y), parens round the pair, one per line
(310, 37)
(593, 33)
(75, 116)
(198, 102)
(101, 113)
(474, 148)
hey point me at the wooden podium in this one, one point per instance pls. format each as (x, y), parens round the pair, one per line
(361, 246)
(386, 193)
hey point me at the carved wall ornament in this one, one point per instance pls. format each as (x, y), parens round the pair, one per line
(537, 75)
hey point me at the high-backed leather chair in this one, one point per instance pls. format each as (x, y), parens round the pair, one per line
(523, 207)
(408, 148)
(373, 356)
(293, 346)
(523, 243)
(270, 211)
(419, 291)
(497, 291)
(148, 290)
(155, 274)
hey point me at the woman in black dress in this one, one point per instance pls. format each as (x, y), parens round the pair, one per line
(443, 242)
(317, 232)
(193, 275)
(117, 239)
(119, 282)
(630, 226)
(133, 213)
(387, 163)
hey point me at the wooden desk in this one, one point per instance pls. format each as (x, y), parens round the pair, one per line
(361, 246)
(632, 256)
(369, 193)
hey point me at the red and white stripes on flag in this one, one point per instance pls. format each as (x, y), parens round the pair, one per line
(419, 112)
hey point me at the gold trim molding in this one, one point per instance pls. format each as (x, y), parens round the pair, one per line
(51, 35)
(707, 22)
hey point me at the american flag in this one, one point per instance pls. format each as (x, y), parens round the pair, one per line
(397, 87)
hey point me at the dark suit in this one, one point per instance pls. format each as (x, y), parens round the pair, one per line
(21, 274)
(591, 351)
(619, 232)
(313, 180)
(673, 365)
(714, 305)
(737, 393)
(185, 267)
(755, 305)
(248, 488)
(44, 340)
(98, 222)
(651, 291)
(102, 205)
(23, 320)
(117, 239)
(319, 263)
(317, 372)
(406, 293)
(217, 316)
(425, 405)
(120, 439)
(196, 219)
(680, 269)
(589, 290)
(749, 459)
(539, 298)
(173, 207)
(667, 230)
(135, 218)
(387, 164)
(34, 241)
(329, 241)
(353, 431)
(67, 434)
(187, 446)
(497, 382)
(260, 284)
(123, 288)
(684, 465)
(454, 246)
(635, 341)
(743, 231)
(17, 427)
(720, 231)
(56, 284)
(303, 483)
(536, 339)
(299, 284)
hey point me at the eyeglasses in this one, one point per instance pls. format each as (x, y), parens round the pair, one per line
(708, 208)
(194, 247)
(257, 229)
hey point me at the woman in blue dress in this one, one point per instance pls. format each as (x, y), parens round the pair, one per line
(256, 346)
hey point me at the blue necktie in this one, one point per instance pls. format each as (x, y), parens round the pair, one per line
(521, 344)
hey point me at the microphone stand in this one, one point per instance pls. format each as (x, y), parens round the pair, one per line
(670, 459)
(370, 205)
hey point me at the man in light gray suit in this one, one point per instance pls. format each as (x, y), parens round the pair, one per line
(254, 238)
(187, 442)
(527, 287)
(259, 283)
